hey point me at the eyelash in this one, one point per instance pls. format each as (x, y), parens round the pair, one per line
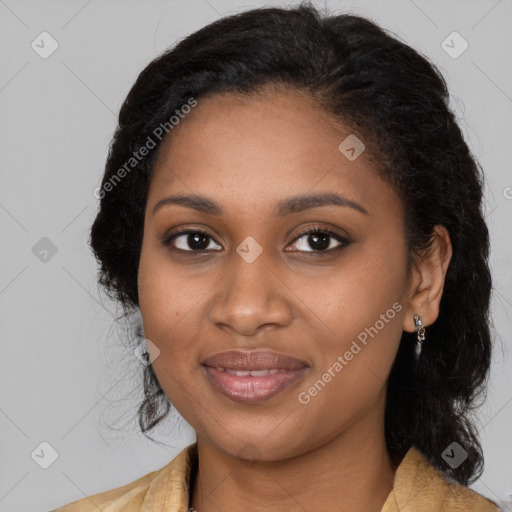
(311, 230)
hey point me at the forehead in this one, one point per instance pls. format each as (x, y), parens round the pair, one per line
(285, 125)
(256, 149)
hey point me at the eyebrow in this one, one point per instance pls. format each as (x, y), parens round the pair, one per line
(293, 204)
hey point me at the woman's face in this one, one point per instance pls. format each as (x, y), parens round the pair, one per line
(255, 283)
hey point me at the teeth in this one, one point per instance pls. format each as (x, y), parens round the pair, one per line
(260, 373)
(252, 373)
(239, 373)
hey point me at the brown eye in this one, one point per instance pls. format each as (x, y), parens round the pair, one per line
(319, 240)
(189, 240)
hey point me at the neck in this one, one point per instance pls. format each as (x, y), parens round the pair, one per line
(351, 472)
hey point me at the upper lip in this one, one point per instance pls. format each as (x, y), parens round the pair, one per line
(253, 360)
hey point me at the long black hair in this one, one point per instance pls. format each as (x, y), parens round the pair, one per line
(397, 100)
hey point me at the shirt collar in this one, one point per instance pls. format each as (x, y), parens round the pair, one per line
(414, 482)
(169, 490)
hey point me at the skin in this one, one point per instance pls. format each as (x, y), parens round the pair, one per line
(247, 154)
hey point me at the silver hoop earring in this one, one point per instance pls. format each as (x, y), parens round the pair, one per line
(420, 332)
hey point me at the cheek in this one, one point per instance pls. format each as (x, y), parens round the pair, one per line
(166, 295)
(352, 376)
(164, 301)
(363, 317)
(364, 292)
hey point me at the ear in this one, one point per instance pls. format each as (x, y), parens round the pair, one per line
(427, 283)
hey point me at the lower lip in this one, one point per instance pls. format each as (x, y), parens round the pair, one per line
(248, 389)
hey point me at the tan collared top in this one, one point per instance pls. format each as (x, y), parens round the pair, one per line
(418, 487)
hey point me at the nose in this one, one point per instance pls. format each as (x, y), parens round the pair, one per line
(251, 297)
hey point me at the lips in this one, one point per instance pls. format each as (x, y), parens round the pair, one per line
(253, 361)
(253, 377)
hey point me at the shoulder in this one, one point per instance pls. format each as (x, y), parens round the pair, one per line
(421, 487)
(128, 497)
(163, 489)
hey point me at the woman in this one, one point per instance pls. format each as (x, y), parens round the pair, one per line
(291, 206)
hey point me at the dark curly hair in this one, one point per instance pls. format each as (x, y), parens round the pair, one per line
(397, 100)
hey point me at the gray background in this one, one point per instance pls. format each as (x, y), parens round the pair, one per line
(65, 375)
